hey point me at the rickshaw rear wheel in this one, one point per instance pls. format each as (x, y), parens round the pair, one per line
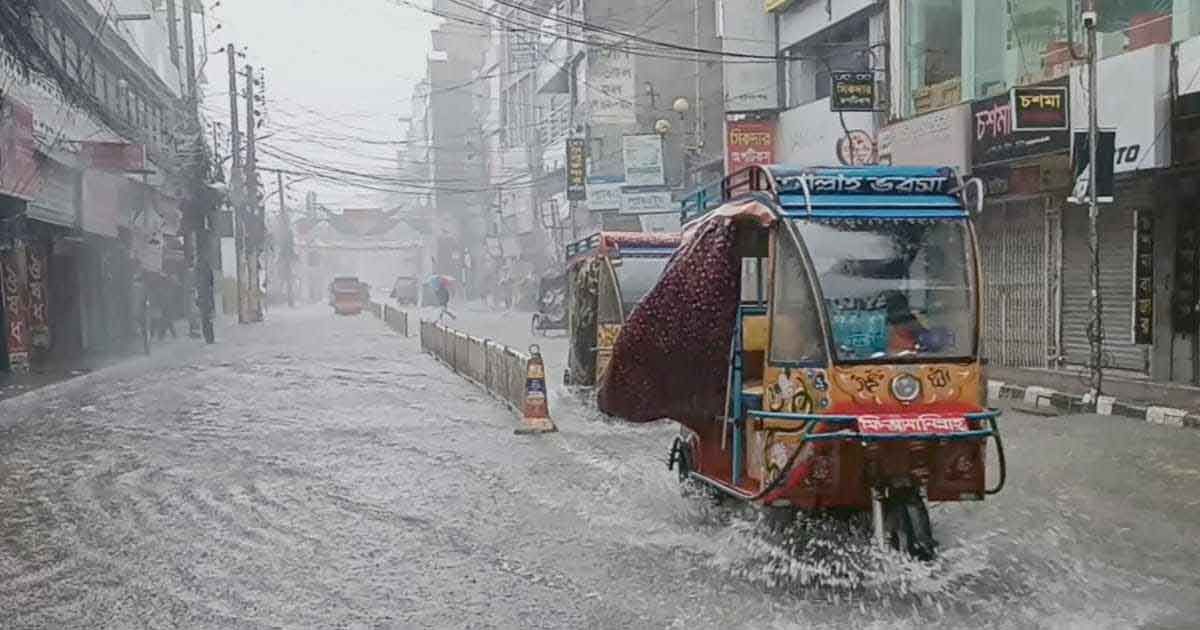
(908, 526)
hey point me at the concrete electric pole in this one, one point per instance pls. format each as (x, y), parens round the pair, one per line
(236, 192)
(254, 209)
(1096, 329)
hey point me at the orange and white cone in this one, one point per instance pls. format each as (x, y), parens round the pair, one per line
(535, 413)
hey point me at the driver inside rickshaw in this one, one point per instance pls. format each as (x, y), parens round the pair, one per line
(905, 331)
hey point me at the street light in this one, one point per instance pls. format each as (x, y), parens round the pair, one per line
(681, 106)
(662, 126)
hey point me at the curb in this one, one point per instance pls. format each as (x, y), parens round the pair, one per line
(1046, 398)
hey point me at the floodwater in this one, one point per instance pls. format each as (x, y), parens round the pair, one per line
(319, 471)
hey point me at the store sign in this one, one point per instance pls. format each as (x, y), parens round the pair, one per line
(643, 201)
(576, 169)
(610, 79)
(18, 165)
(662, 222)
(56, 198)
(101, 212)
(12, 274)
(811, 134)
(939, 137)
(604, 192)
(113, 156)
(852, 92)
(749, 142)
(1080, 167)
(643, 156)
(1040, 108)
(996, 138)
(939, 182)
(1143, 279)
(1135, 101)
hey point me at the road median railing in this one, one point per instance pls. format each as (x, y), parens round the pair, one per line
(497, 368)
(393, 318)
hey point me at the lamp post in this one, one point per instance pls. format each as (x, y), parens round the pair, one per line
(681, 107)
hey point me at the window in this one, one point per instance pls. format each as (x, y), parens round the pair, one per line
(636, 275)
(845, 47)
(894, 288)
(933, 52)
(796, 336)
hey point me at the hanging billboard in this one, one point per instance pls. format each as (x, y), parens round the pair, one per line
(749, 142)
(643, 156)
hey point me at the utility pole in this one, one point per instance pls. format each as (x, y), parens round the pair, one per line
(197, 264)
(173, 31)
(254, 209)
(286, 252)
(1096, 330)
(236, 192)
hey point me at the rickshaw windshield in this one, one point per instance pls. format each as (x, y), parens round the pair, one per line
(894, 288)
(636, 275)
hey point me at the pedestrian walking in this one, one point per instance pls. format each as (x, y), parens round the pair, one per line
(443, 298)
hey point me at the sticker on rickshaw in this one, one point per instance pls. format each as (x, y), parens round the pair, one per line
(924, 424)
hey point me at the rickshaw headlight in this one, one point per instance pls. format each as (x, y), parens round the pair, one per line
(906, 388)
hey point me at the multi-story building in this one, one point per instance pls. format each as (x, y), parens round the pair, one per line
(945, 73)
(99, 151)
(621, 76)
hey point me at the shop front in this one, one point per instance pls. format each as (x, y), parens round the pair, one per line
(53, 263)
(1131, 228)
(105, 269)
(1027, 177)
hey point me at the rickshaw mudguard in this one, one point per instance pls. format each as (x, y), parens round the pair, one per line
(671, 357)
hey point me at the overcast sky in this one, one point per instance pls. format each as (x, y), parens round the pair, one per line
(337, 72)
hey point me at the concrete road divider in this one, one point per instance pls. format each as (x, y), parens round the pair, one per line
(495, 367)
(394, 318)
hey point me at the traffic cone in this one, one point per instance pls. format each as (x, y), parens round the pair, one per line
(535, 413)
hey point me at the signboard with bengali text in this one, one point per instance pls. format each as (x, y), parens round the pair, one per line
(749, 142)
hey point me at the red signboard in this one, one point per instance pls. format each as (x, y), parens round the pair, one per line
(113, 156)
(18, 165)
(12, 274)
(39, 320)
(749, 142)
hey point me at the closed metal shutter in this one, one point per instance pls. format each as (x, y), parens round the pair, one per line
(1012, 246)
(1116, 231)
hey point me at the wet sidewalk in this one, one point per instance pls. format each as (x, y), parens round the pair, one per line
(58, 370)
(1126, 395)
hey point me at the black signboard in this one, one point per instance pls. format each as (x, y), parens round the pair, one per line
(852, 92)
(1040, 108)
(576, 169)
(1106, 151)
(1143, 279)
(997, 138)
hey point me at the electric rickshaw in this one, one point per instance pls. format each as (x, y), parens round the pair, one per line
(551, 305)
(852, 380)
(608, 273)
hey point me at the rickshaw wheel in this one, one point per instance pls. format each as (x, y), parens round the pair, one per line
(908, 527)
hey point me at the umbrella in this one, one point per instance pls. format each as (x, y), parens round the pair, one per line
(445, 282)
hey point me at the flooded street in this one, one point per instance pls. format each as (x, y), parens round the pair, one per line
(321, 472)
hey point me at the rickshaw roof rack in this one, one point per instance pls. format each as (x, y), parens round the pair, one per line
(839, 191)
(651, 243)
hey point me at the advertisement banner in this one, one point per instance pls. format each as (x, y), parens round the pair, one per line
(643, 155)
(643, 201)
(576, 169)
(1135, 101)
(1080, 158)
(101, 212)
(852, 92)
(749, 142)
(18, 165)
(604, 192)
